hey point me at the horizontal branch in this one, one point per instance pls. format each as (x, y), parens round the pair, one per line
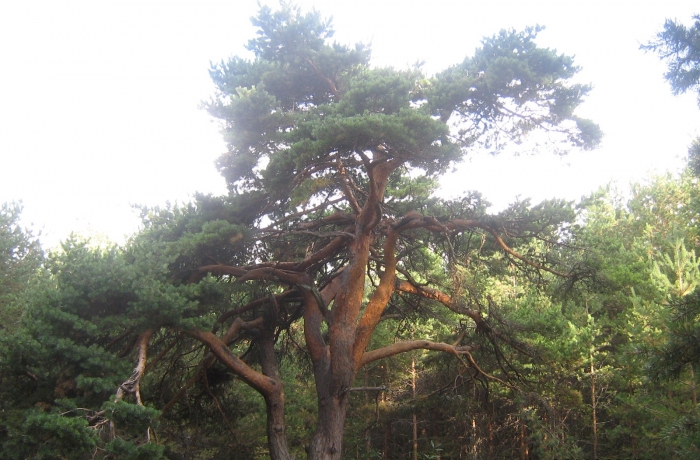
(402, 347)
(482, 325)
(325, 252)
(414, 220)
(446, 300)
(459, 224)
(251, 305)
(262, 272)
(383, 388)
(325, 204)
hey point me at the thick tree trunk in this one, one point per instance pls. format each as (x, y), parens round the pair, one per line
(350, 326)
(327, 443)
(276, 436)
(274, 400)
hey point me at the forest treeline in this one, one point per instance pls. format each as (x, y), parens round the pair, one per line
(332, 306)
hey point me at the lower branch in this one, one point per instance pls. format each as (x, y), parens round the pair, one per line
(263, 384)
(445, 299)
(402, 347)
(133, 383)
(237, 326)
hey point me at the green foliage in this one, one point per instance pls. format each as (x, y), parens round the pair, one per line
(679, 46)
(20, 257)
(132, 417)
(305, 101)
(85, 306)
(118, 448)
(308, 125)
(51, 436)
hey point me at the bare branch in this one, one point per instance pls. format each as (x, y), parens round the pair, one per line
(445, 299)
(469, 224)
(264, 385)
(132, 384)
(402, 347)
(378, 301)
(236, 327)
(349, 195)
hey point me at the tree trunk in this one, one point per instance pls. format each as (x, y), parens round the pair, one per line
(415, 418)
(327, 443)
(694, 393)
(594, 410)
(274, 400)
(276, 435)
(386, 448)
(524, 448)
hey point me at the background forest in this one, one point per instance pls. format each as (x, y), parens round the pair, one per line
(332, 281)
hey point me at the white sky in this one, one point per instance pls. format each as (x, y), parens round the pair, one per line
(99, 99)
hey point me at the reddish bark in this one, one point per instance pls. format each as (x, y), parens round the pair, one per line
(339, 354)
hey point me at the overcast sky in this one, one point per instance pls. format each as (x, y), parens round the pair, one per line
(99, 99)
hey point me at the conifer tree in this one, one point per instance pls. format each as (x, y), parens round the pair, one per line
(331, 227)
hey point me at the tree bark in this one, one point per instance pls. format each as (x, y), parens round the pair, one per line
(276, 433)
(327, 443)
(524, 449)
(594, 410)
(267, 383)
(414, 416)
(274, 400)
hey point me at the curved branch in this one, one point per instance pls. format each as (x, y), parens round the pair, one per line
(402, 347)
(347, 191)
(412, 220)
(327, 251)
(313, 318)
(459, 224)
(378, 301)
(261, 272)
(249, 306)
(264, 385)
(331, 85)
(132, 384)
(445, 299)
(482, 326)
(378, 173)
(301, 213)
(237, 326)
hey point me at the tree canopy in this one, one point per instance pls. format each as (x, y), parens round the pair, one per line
(679, 46)
(20, 256)
(331, 237)
(332, 305)
(331, 162)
